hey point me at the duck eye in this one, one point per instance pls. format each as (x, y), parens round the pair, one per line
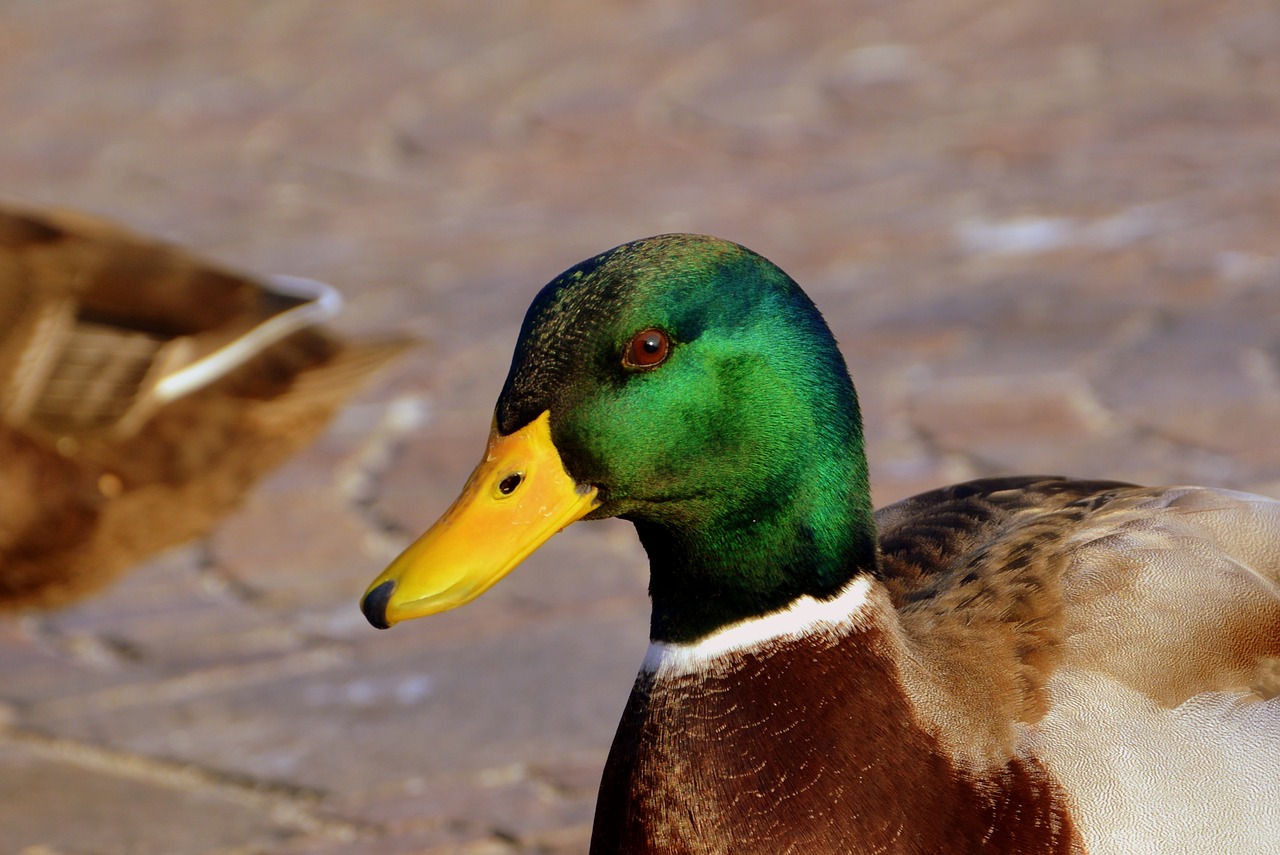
(647, 349)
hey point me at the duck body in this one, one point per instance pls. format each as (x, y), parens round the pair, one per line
(1016, 665)
(974, 694)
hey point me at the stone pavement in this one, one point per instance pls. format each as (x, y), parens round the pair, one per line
(1045, 234)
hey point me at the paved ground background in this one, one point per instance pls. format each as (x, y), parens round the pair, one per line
(1046, 235)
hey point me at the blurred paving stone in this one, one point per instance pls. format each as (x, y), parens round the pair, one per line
(514, 803)
(127, 634)
(1232, 351)
(81, 812)
(470, 702)
(167, 624)
(986, 416)
(295, 551)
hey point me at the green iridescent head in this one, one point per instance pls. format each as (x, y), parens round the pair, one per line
(698, 389)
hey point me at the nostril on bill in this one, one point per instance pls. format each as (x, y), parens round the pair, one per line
(509, 484)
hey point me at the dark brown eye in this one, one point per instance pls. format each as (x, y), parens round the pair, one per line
(647, 349)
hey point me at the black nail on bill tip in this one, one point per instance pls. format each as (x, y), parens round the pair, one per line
(374, 605)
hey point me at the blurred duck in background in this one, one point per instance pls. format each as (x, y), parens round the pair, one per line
(143, 390)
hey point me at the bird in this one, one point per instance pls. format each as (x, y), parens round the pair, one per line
(143, 391)
(1020, 664)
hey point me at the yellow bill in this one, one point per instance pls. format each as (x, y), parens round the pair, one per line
(514, 501)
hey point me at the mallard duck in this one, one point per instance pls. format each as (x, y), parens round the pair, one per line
(1021, 664)
(142, 392)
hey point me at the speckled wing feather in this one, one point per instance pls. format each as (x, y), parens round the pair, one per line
(1128, 637)
(1173, 590)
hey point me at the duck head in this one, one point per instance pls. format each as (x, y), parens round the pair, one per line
(686, 384)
